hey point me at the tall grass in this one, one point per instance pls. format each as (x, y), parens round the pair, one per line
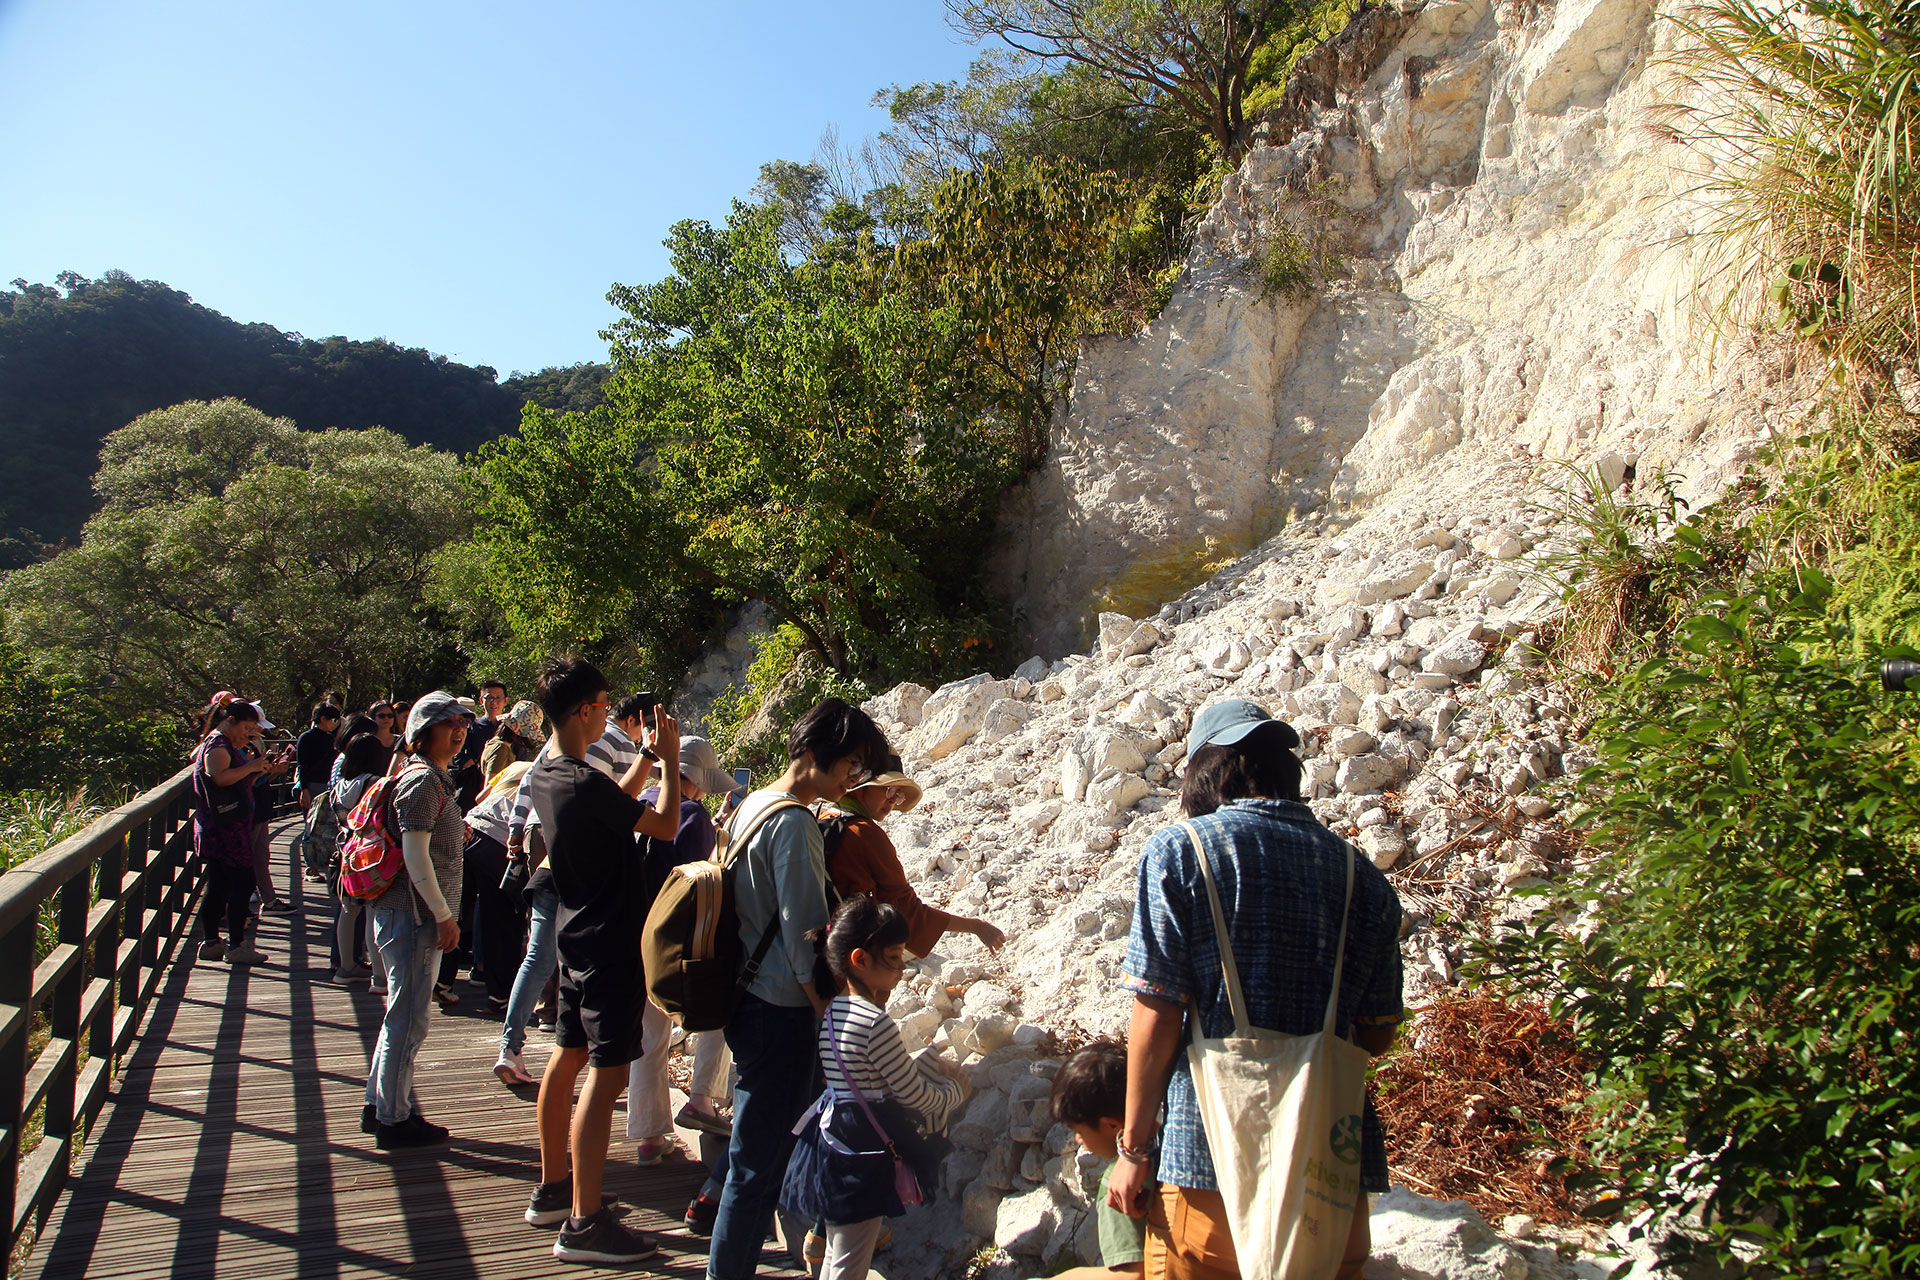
(1807, 119)
(31, 822)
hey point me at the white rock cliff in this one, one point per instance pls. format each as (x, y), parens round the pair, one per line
(1520, 285)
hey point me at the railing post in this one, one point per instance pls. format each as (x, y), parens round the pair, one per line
(76, 898)
(181, 870)
(133, 910)
(159, 881)
(108, 888)
(16, 994)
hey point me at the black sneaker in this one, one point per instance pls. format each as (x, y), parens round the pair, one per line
(700, 1215)
(369, 1122)
(280, 907)
(601, 1239)
(414, 1131)
(552, 1203)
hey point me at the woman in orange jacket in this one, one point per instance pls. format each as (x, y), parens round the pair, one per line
(861, 859)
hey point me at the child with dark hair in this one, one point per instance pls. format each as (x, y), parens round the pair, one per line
(1090, 1097)
(879, 1103)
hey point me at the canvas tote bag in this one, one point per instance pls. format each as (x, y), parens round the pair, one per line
(1282, 1116)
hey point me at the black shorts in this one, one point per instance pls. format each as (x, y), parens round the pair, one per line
(601, 1008)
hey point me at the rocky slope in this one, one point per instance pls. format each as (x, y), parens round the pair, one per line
(1519, 283)
(1364, 480)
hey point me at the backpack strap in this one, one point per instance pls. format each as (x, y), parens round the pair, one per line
(737, 846)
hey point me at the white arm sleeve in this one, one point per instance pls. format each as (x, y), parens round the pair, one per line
(415, 845)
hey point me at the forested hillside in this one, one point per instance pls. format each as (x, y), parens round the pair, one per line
(87, 357)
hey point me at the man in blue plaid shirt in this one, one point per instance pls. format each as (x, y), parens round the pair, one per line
(1282, 879)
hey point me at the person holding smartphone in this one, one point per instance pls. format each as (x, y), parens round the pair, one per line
(650, 1119)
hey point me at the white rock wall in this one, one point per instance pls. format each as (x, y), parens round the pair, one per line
(1520, 287)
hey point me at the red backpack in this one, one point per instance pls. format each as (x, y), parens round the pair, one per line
(371, 860)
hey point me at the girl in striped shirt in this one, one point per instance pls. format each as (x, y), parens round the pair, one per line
(878, 1103)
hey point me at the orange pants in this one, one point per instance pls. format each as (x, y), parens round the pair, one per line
(1187, 1238)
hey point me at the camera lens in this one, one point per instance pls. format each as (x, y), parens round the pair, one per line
(1896, 672)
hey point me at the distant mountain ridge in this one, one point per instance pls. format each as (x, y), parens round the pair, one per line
(84, 358)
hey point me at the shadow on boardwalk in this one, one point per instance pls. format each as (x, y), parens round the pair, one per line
(232, 1147)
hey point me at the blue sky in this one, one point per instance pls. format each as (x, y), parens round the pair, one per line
(467, 177)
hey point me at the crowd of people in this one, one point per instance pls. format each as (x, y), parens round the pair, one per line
(534, 837)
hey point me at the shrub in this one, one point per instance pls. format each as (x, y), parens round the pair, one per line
(1878, 579)
(1747, 951)
(58, 733)
(1480, 1101)
(1299, 250)
(1632, 562)
(750, 723)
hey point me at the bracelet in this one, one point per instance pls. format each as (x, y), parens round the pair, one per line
(1132, 1155)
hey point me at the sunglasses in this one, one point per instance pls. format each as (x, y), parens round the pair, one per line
(383, 715)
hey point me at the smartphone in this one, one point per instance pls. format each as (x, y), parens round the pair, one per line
(742, 779)
(648, 701)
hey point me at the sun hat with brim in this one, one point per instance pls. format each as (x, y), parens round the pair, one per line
(266, 725)
(894, 778)
(524, 719)
(1225, 723)
(700, 765)
(430, 711)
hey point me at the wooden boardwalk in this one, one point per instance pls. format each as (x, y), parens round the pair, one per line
(231, 1146)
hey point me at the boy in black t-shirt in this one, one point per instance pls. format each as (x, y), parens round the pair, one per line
(589, 821)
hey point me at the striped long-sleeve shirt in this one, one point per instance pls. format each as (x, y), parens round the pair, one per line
(522, 815)
(614, 753)
(876, 1058)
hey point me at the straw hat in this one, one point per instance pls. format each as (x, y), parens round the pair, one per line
(894, 778)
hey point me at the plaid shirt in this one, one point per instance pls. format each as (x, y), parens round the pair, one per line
(1282, 877)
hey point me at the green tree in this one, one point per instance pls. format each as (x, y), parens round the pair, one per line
(78, 364)
(804, 433)
(58, 731)
(1187, 62)
(235, 550)
(1021, 255)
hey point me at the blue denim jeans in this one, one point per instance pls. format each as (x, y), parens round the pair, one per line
(411, 953)
(543, 956)
(773, 1047)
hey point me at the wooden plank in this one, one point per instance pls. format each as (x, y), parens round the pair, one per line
(230, 1143)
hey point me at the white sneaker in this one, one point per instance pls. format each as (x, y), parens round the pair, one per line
(245, 953)
(213, 949)
(511, 1069)
(352, 973)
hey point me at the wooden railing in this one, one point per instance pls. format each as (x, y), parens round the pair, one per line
(119, 893)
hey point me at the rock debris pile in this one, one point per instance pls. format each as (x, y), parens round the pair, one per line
(1401, 646)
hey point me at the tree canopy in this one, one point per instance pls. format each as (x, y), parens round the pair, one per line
(802, 433)
(1188, 62)
(85, 358)
(235, 550)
